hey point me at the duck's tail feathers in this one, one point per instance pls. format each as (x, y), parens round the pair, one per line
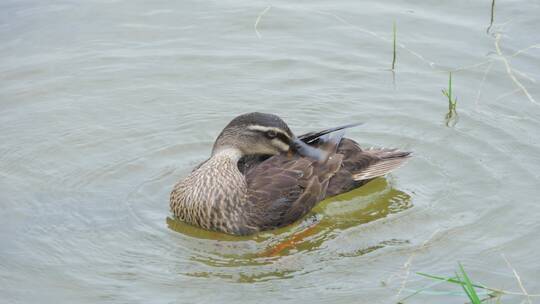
(383, 160)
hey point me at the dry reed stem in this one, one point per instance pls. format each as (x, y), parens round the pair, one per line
(517, 278)
(259, 20)
(486, 72)
(509, 69)
(407, 265)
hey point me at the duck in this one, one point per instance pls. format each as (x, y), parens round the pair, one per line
(260, 176)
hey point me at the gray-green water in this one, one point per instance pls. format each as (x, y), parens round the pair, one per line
(104, 105)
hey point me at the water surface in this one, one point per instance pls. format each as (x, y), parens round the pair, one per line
(104, 105)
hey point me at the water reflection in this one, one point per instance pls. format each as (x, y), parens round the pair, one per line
(275, 254)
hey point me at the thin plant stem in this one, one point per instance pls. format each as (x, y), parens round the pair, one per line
(492, 16)
(394, 47)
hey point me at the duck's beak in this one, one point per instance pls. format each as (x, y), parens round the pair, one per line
(306, 150)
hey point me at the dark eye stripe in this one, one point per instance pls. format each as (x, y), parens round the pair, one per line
(283, 138)
(279, 135)
(271, 134)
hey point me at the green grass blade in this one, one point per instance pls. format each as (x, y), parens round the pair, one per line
(448, 279)
(454, 280)
(450, 87)
(468, 286)
(466, 289)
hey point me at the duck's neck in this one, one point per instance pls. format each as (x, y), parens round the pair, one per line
(214, 195)
(231, 153)
(224, 201)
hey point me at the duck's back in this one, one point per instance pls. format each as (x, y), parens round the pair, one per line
(282, 189)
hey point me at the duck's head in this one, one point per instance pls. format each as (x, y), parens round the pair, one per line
(262, 134)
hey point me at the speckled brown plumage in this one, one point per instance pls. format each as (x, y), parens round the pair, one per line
(240, 191)
(213, 197)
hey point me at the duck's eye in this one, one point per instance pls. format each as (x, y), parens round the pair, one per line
(271, 134)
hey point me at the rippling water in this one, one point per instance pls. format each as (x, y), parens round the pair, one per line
(104, 105)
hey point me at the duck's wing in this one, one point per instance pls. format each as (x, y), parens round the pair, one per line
(281, 189)
(360, 166)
